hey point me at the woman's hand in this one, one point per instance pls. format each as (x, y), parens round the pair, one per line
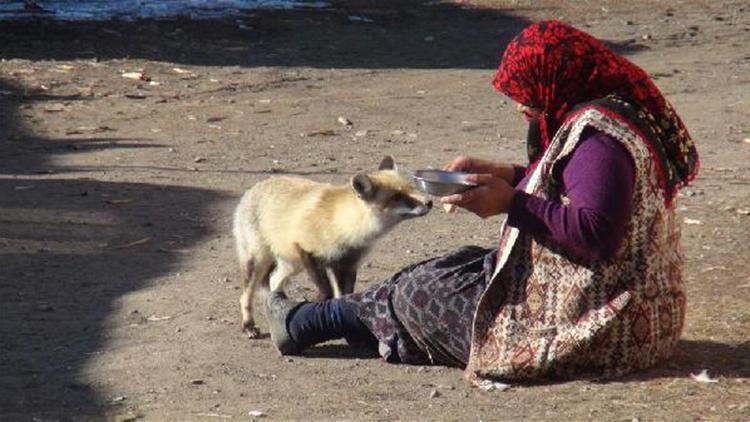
(492, 196)
(475, 165)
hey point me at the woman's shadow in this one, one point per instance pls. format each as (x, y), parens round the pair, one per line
(690, 356)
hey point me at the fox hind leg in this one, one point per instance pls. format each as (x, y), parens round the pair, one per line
(246, 299)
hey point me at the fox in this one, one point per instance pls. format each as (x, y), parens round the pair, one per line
(284, 225)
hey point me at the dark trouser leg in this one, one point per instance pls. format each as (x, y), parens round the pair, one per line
(316, 322)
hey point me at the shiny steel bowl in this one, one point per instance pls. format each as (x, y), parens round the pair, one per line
(441, 183)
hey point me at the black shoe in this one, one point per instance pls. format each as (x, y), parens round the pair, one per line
(278, 309)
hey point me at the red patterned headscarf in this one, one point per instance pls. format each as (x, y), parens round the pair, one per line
(554, 67)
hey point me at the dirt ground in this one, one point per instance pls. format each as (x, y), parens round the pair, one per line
(118, 281)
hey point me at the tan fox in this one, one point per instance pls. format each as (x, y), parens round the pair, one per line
(285, 224)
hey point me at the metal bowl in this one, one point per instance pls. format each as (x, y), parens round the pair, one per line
(442, 183)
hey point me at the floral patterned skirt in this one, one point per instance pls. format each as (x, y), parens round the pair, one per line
(424, 313)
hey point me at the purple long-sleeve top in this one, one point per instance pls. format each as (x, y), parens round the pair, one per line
(598, 180)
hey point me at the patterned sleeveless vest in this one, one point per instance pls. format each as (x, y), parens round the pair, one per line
(545, 314)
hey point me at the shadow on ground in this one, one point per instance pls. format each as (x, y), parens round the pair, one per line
(352, 34)
(693, 356)
(340, 351)
(69, 248)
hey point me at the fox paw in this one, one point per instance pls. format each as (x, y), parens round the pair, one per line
(251, 331)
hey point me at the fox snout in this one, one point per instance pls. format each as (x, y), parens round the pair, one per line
(415, 207)
(423, 209)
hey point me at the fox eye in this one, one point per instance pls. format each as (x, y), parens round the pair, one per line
(397, 197)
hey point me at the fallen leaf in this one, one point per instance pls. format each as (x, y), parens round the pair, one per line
(691, 221)
(179, 71)
(119, 201)
(354, 18)
(344, 121)
(24, 71)
(703, 377)
(140, 76)
(54, 108)
(321, 132)
(128, 417)
(166, 250)
(155, 318)
(81, 130)
(489, 385)
(256, 414)
(134, 243)
(743, 211)
(215, 119)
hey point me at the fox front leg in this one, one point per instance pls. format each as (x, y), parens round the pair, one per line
(345, 271)
(317, 273)
(344, 276)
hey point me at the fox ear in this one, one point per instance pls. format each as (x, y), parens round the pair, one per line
(388, 163)
(362, 186)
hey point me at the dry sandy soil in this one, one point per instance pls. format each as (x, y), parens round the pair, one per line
(118, 284)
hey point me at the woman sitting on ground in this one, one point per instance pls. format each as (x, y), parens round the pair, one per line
(586, 279)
